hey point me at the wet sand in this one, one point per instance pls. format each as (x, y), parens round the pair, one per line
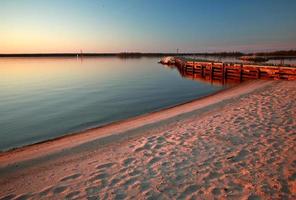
(236, 144)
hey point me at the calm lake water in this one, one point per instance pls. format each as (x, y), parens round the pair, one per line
(44, 98)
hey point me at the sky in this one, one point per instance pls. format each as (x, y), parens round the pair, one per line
(55, 26)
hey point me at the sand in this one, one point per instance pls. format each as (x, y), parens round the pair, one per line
(236, 144)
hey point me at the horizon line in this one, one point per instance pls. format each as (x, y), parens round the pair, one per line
(139, 54)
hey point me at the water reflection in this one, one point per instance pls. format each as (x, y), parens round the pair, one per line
(206, 79)
(44, 98)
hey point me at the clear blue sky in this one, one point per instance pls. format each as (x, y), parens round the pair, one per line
(28, 26)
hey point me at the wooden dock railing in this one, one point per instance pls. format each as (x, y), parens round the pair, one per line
(235, 71)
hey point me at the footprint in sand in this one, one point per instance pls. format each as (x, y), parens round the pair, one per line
(180, 179)
(216, 191)
(139, 149)
(114, 181)
(45, 191)
(123, 170)
(157, 147)
(23, 197)
(72, 195)
(119, 195)
(135, 172)
(153, 161)
(212, 175)
(254, 197)
(128, 161)
(169, 191)
(151, 139)
(144, 186)
(90, 191)
(8, 197)
(146, 146)
(100, 176)
(189, 190)
(292, 177)
(161, 140)
(60, 189)
(106, 165)
(152, 195)
(240, 156)
(234, 188)
(129, 182)
(92, 198)
(167, 135)
(71, 177)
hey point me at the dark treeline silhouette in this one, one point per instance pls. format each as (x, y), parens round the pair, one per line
(277, 53)
(120, 55)
(223, 54)
(55, 54)
(290, 53)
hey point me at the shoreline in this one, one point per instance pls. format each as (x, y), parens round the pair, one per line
(240, 145)
(59, 144)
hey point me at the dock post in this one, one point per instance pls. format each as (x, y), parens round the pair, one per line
(201, 71)
(241, 73)
(223, 72)
(258, 73)
(211, 71)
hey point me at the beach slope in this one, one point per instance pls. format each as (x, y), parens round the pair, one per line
(236, 144)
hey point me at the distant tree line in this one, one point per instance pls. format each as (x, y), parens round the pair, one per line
(289, 53)
(277, 53)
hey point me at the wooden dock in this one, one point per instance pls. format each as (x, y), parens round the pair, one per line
(233, 71)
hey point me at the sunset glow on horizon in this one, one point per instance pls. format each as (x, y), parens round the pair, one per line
(57, 26)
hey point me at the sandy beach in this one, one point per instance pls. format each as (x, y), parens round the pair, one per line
(235, 144)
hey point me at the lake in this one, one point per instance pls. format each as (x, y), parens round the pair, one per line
(44, 98)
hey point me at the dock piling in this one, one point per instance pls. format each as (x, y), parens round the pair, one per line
(235, 71)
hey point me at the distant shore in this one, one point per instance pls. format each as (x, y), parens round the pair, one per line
(271, 55)
(122, 55)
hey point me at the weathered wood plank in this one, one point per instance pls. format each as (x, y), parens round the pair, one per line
(240, 71)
